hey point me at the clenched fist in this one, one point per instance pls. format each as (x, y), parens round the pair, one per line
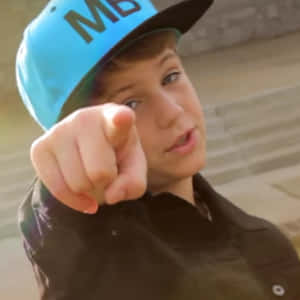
(93, 156)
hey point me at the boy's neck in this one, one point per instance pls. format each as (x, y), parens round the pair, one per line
(183, 189)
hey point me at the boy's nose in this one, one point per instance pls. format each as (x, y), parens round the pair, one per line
(168, 110)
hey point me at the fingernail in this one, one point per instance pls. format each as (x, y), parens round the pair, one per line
(92, 209)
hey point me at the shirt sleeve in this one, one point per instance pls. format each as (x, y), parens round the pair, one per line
(40, 215)
(54, 239)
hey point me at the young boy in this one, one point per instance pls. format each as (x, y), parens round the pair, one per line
(123, 122)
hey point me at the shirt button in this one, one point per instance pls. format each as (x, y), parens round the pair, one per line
(114, 232)
(278, 290)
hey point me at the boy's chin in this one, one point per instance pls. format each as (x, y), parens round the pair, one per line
(191, 165)
(186, 169)
(189, 169)
(176, 171)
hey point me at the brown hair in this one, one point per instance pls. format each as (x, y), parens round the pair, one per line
(147, 46)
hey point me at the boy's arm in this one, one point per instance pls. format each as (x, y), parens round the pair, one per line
(64, 246)
(69, 251)
(51, 221)
(51, 243)
(93, 153)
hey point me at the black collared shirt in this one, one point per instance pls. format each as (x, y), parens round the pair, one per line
(158, 247)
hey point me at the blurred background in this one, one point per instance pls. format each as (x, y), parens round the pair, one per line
(244, 59)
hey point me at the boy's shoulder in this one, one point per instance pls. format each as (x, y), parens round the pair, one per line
(226, 210)
(255, 235)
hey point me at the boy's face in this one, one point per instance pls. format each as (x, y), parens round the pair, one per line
(166, 107)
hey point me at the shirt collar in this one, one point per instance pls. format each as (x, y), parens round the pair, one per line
(223, 210)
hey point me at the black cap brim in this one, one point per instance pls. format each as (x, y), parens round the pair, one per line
(181, 16)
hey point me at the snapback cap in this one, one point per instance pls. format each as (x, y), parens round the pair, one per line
(64, 44)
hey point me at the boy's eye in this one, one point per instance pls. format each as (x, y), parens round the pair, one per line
(131, 103)
(171, 77)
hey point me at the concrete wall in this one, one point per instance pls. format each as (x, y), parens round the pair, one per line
(231, 22)
(228, 22)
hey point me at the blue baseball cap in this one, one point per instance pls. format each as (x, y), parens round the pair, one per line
(62, 46)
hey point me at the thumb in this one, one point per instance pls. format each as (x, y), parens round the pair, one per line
(119, 120)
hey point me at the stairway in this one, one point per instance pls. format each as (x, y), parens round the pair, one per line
(16, 174)
(252, 136)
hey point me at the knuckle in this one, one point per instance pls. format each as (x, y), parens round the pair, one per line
(59, 190)
(138, 190)
(37, 147)
(34, 149)
(80, 115)
(103, 176)
(57, 132)
(85, 116)
(81, 187)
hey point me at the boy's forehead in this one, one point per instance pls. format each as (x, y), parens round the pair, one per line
(157, 60)
(116, 81)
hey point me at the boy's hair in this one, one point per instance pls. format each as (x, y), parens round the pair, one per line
(146, 47)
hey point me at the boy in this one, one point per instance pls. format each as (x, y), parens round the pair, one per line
(141, 137)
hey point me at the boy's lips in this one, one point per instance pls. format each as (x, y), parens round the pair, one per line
(181, 140)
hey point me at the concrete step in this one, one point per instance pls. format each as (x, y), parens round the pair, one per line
(273, 142)
(219, 164)
(265, 101)
(275, 160)
(14, 192)
(234, 116)
(252, 148)
(213, 122)
(222, 175)
(272, 114)
(6, 205)
(9, 228)
(8, 156)
(263, 127)
(215, 126)
(16, 175)
(9, 203)
(253, 136)
(14, 160)
(222, 158)
(9, 209)
(19, 186)
(210, 114)
(21, 169)
(218, 141)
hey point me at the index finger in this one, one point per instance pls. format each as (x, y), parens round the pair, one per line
(119, 120)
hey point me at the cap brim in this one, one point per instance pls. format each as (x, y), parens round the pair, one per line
(181, 16)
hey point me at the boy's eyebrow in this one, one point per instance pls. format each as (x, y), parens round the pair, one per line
(122, 89)
(166, 57)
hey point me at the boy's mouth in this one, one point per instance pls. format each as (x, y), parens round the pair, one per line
(182, 141)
